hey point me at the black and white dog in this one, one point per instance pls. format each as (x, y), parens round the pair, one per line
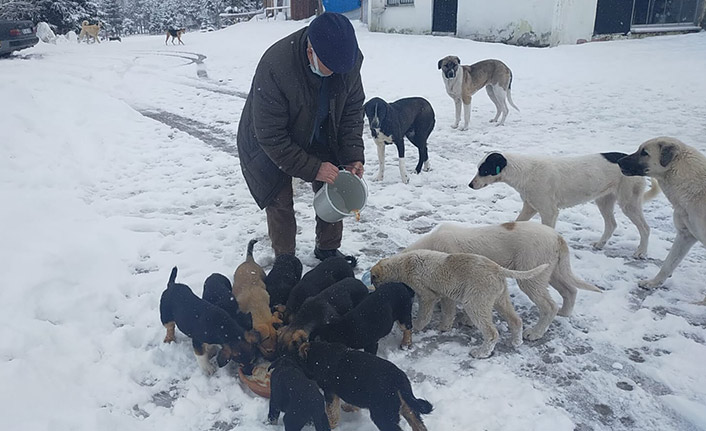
(412, 117)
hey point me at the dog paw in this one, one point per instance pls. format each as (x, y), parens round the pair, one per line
(492, 120)
(640, 255)
(517, 342)
(532, 334)
(454, 126)
(377, 177)
(649, 284)
(405, 179)
(564, 312)
(481, 352)
(598, 245)
(169, 339)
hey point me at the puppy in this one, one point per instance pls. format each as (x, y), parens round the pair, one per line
(321, 309)
(412, 117)
(474, 281)
(206, 325)
(518, 246)
(284, 275)
(175, 33)
(681, 172)
(372, 319)
(313, 282)
(218, 291)
(250, 292)
(115, 38)
(547, 184)
(365, 381)
(462, 82)
(297, 396)
(89, 31)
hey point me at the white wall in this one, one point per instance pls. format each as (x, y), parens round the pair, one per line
(402, 19)
(519, 22)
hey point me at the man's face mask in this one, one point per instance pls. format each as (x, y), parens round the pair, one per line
(314, 66)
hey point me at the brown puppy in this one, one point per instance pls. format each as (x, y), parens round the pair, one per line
(175, 33)
(89, 31)
(250, 292)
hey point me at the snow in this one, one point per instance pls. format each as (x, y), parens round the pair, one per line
(119, 162)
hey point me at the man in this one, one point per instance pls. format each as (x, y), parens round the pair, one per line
(303, 118)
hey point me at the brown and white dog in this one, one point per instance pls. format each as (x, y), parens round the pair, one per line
(681, 172)
(250, 292)
(89, 31)
(175, 33)
(463, 81)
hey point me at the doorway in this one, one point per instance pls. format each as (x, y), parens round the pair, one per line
(444, 16)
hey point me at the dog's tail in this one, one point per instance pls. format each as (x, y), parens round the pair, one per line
(413, 408)
(564, 275)
(172, 277)
(522, 275)
(653, 191)
(509, 94)
(249, 257)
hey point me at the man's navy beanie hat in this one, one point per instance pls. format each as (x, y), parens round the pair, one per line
(333, 39)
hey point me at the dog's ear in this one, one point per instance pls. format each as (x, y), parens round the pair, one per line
(440, 63)
(458, 60)
(666, 154)
(304, 350)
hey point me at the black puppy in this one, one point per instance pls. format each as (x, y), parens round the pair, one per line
(205, 324)
(297, 396)
(313, 282)
(412, 117)
(218, 291)
(372, 319)
(332, 303)
(115, 38)
(363, 380)
(284, 275)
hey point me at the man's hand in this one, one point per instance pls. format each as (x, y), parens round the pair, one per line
(327, 173)
(355, 168)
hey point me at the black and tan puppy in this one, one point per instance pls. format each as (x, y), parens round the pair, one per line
(412, 117)
(297, 396)
(372, 319)
(332, 303)
(313, 282)
(284, 275)
(365, 381)
(206, 325)
(218, 291)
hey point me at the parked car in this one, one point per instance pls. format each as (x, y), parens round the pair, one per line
(16, 35)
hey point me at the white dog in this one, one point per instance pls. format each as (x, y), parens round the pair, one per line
(681, 171)
(519, 246)
(474, 281)
(547, 184)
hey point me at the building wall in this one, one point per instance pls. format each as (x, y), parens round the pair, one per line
(517, 22)
(400, 19)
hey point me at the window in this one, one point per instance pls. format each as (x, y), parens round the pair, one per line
(400, 2)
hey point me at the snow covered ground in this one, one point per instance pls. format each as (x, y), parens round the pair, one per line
(118, 162)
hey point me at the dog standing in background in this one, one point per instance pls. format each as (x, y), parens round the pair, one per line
(175, 33)
(89, 31)
(412, 117)
(463, 81)
(681, 172)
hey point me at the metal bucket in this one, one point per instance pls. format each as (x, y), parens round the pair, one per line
(334, 202)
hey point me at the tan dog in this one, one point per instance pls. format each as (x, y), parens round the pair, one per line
(462, 82)
(518, 246)
(250, 292)
(474, 281)
(89, 31)
(681, 172)
(175, 33)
